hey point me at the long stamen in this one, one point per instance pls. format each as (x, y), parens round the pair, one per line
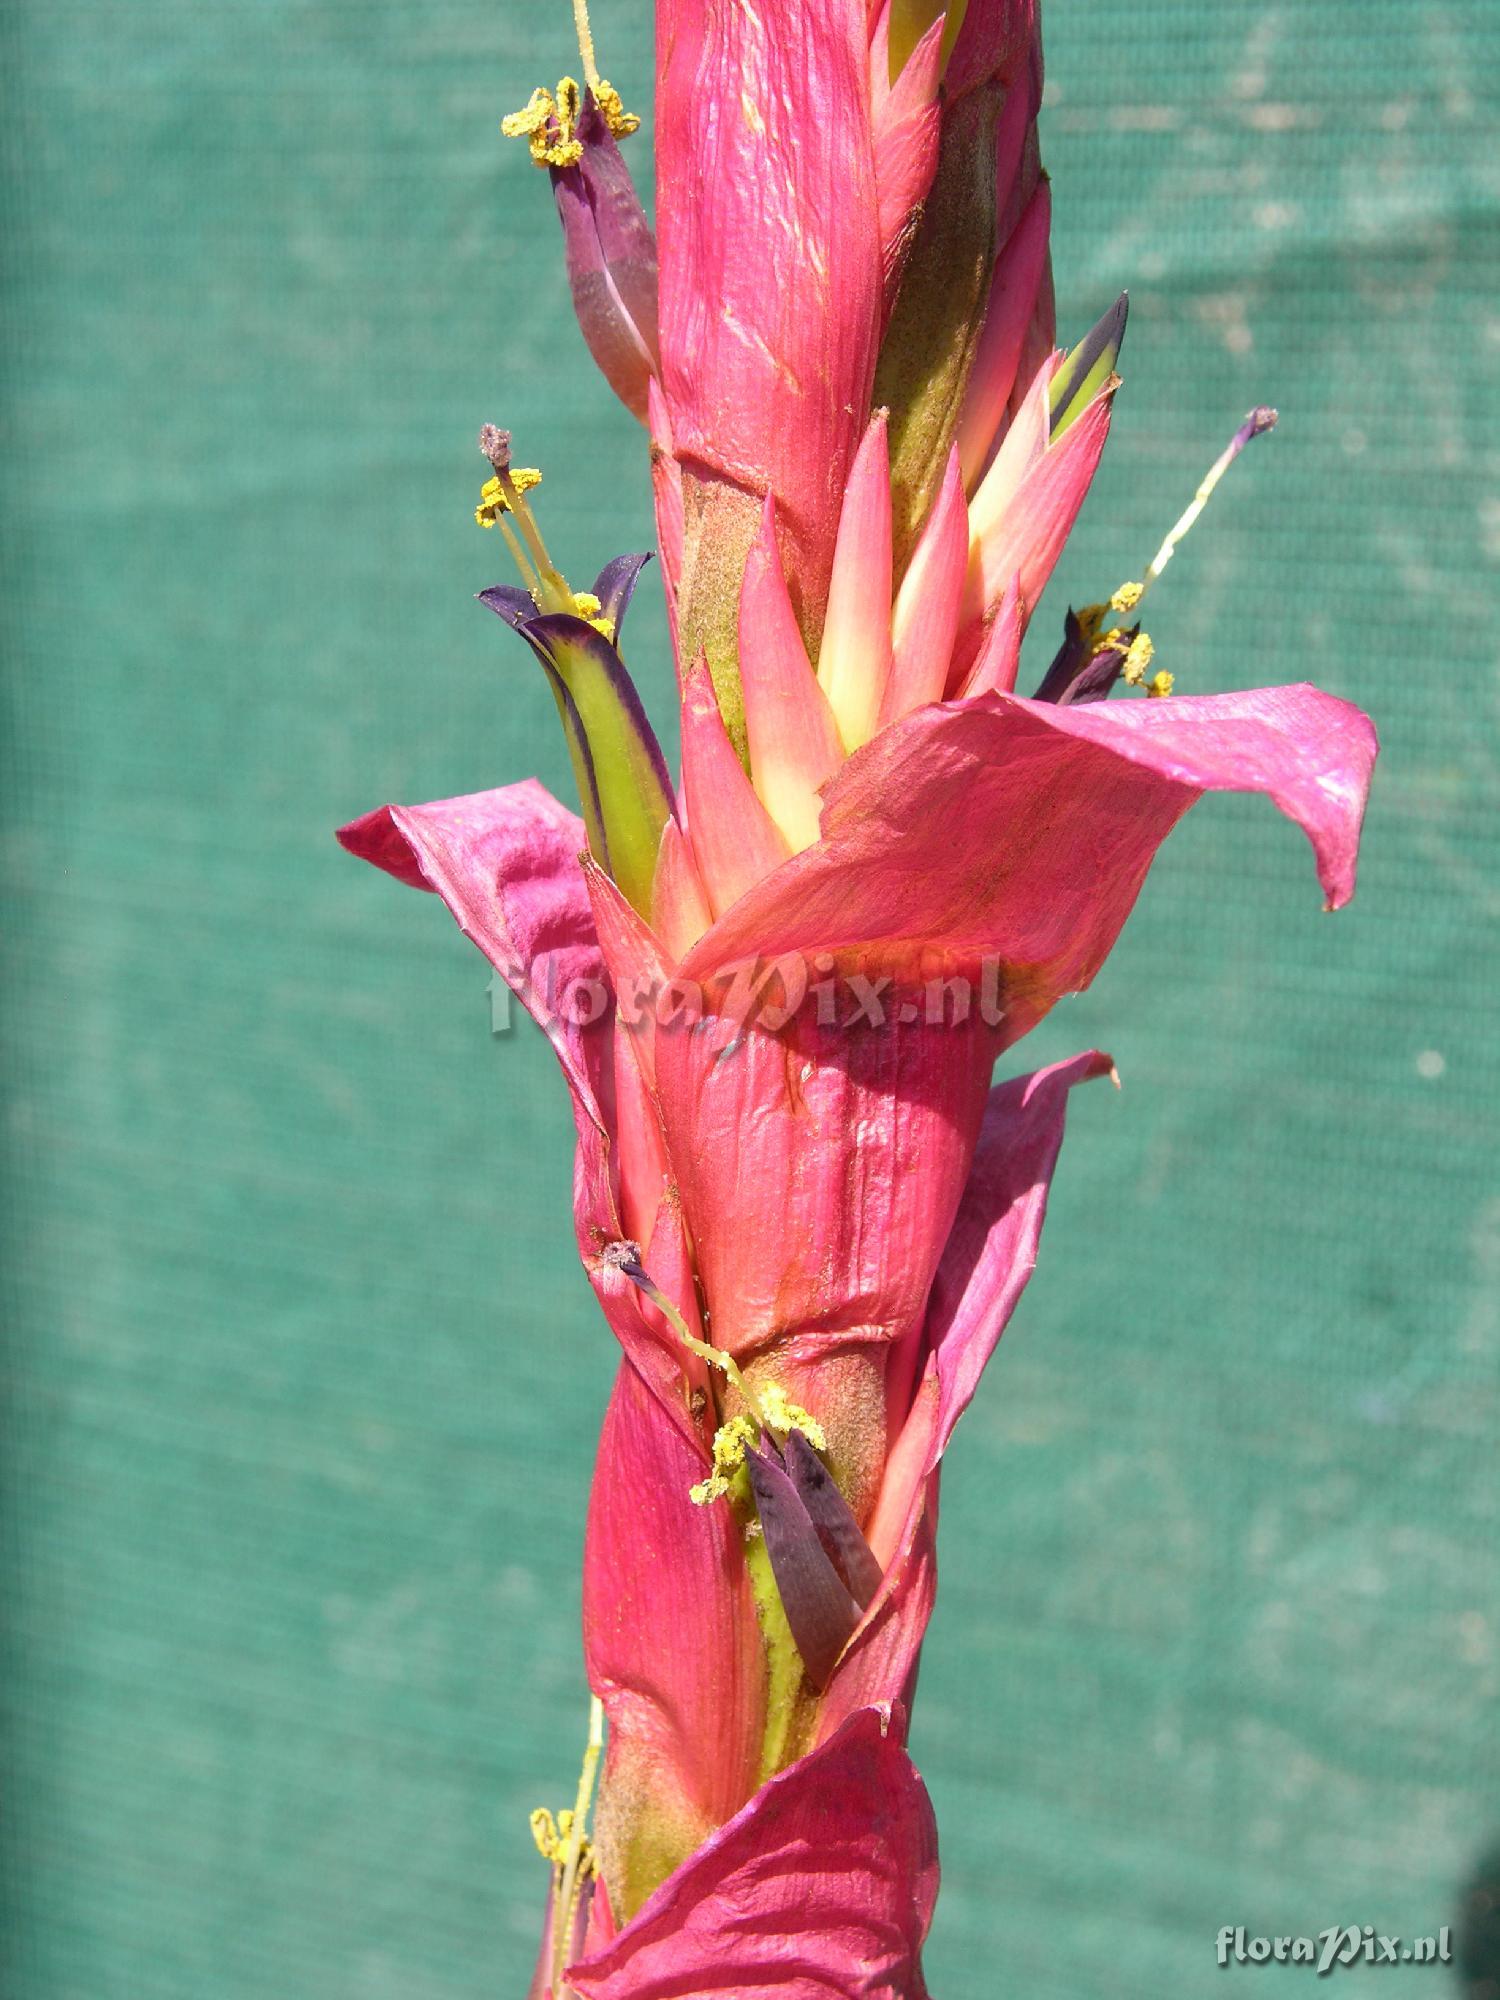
(541, 575)
(625, 1257)
(1129, 595)
(1091, 658)
(512, 541)
(586, 44)
(565, 1909)
(547, 570)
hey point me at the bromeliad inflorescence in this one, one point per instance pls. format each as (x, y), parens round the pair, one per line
(866, 452)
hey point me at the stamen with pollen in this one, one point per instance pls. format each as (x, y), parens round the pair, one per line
(731, 1442)
(1260, 419)
(505, 494)
(565, 1843)
(772, 1413)
(620, 121)
(1137, 658)
(1091, 659)
(548, 124)
(625, 1257)
(548, 121)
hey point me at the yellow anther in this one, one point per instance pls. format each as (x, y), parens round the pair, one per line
(548, 123)
(730, 1441)
(555, 1840)
(1127, 597)
(777, 1412)
(1089, 621)
(620, 121)
(1159, 685)
(784, 1415)
(564, 1843)
(550, 1841)
(493, 500)
(1137, 658)
(587, 607)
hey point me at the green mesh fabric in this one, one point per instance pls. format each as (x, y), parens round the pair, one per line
(301, 1382)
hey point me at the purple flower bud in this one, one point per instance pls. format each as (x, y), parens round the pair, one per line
(611, 259)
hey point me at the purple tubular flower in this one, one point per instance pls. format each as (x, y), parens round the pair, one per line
(1083, 670)
(614, 587)
(823, 1566)
(611, 259)
(837, 1529)
(819, 1609)
(622, 777)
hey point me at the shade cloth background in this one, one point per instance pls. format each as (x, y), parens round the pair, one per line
(301, 1382)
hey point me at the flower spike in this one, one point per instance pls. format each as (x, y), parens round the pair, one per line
(778, 994)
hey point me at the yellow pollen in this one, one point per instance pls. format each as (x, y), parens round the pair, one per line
(564, 1842)
(730, 1441)
(548, 124)
(779, 1414)
(784, 1415)
(1159, 685)
(1089, 621)
(1127, 597)
(587, 607)
(1137, 659)
(548, 121)
(620, 121)
(551, 1839)
(493, 501)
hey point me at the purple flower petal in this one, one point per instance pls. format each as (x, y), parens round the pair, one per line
(611, 259)
(614, 587)
(817, 1603)
(836, 1527)
(1081, 671)
(510, 602)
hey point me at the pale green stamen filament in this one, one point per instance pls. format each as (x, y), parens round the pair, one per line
(553, 593)
(586, 43)
(1129, 595)
(512, 541)
(771, 1410)
(565, 1843)
(505, 494)
(626, 1257)
(620, 121)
